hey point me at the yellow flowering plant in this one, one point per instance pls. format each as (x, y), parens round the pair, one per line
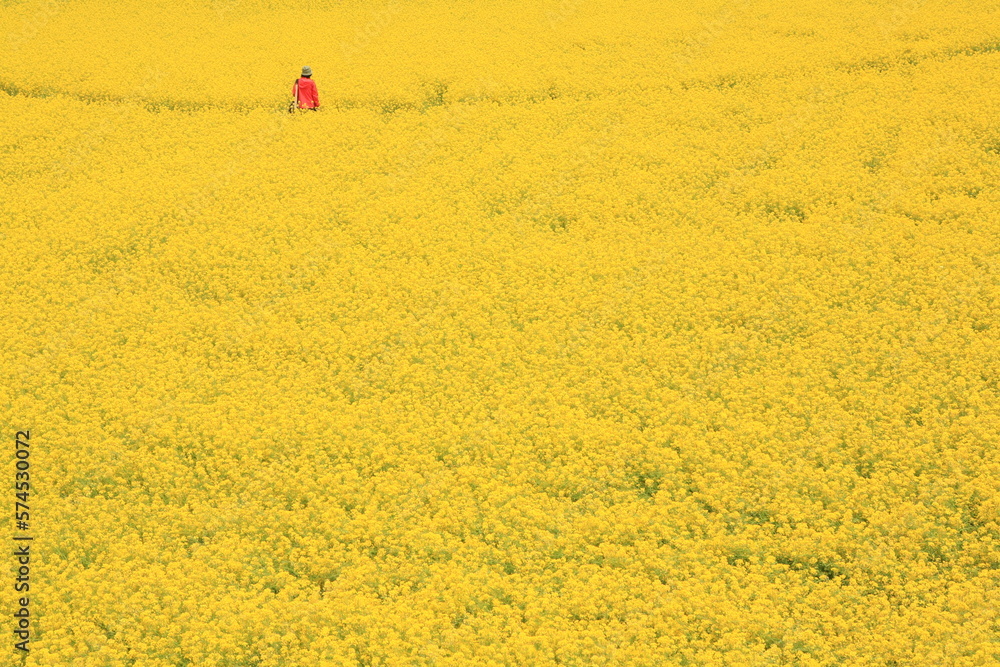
(566, 333)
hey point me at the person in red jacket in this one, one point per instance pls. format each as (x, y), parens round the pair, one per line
(305, 92)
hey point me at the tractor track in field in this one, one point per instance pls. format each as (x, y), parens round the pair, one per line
(387, 105)
(390, 105)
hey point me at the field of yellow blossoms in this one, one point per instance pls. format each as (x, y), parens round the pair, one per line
(569, 332)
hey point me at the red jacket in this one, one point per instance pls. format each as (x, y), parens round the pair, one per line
(308, 96)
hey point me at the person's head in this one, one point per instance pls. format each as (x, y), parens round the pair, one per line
(307, 72)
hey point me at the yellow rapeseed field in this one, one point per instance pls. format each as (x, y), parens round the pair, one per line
(569, 332)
